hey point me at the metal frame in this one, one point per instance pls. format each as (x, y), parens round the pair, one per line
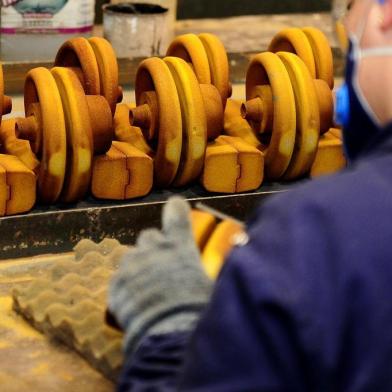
(58, 229)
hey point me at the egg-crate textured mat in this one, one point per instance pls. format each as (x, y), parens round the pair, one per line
(69, 304)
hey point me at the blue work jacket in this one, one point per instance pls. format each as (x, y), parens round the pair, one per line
(306, 305)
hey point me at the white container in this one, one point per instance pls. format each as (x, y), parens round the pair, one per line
(171, 5)
(137, 29)
(35, 29)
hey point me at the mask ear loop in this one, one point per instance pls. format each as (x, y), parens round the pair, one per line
(359, 54)
(357, 88)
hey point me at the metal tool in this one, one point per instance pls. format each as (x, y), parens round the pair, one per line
(217, 214)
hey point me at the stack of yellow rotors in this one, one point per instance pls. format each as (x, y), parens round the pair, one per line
(65, 127)
(180, 107)
(78, 138)
(69, 126)
(289, 101)
(180, 104)
(17, 182)
(94, 62)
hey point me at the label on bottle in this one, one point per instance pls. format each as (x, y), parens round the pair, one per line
(47, 16)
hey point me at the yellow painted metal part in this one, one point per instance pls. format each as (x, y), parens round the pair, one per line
(218, 247)
(232, 166)
(108, 69)
(294, 40)
(203, 224)
(322, 53)
(330, 156)
(268, 69)
(190, 48)
(194, 121)
(40, 87)
(154, 75)
(235, 125)
(79, 135)
(78, 53)
(17, 147)
(125, 132)
(19, 192)
(123, 173)
(1, 91)
(308, 116)
(219, 64)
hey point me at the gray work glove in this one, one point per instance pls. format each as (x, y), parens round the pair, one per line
(161, 286)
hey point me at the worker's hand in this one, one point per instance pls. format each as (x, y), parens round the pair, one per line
(161, 286)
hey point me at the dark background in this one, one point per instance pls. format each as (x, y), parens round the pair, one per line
(193, 9)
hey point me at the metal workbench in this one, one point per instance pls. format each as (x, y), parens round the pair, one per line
(57, 229)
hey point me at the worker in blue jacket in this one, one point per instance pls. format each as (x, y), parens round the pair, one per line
(306, 304)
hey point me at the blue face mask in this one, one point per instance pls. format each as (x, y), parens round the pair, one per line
(360, 123)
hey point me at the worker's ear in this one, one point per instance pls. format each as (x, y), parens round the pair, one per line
(386, 9)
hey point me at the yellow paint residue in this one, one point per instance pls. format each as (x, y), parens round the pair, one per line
(34, 354)
(66, 377)
(4, 344)
(286, 144)
(57, 164)
(19, 279)
(172, 151)
(41, 369)
(10, 383)
(10, 321)
(312, 140)
(84, 160)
